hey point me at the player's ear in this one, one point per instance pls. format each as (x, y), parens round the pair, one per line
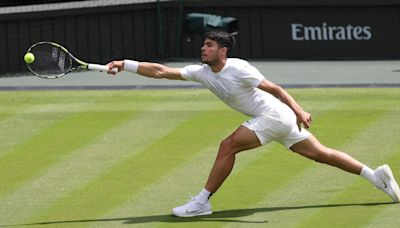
(223, 51)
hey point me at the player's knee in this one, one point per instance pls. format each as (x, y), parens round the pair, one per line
(227, 147)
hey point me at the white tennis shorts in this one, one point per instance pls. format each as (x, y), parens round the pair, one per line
(277, 125)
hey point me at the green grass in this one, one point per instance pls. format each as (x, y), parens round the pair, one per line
(114, 158)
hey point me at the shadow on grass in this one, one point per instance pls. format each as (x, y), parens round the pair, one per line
(226, 216)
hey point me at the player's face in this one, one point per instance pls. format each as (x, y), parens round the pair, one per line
(210, 52)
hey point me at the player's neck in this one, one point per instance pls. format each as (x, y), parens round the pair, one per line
(217, 67)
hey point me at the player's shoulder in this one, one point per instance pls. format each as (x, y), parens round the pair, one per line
(196, 66)
(237, 63)
(193, 71)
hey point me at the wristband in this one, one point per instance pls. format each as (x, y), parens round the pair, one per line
(131, 65)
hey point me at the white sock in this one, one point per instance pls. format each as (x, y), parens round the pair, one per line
(368, 174)
(203, 196)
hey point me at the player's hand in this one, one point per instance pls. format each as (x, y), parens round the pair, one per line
(115, 64)
(305, 119)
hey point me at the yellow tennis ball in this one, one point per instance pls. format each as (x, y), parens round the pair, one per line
(29, 58)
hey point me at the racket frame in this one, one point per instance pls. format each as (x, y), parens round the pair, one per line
(81, 64)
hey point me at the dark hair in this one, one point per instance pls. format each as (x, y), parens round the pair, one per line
(223, 38)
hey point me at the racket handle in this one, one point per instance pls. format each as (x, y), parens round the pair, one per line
(98, 67)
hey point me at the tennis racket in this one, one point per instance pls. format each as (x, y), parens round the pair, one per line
(52, 60)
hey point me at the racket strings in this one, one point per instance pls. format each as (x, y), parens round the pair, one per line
(50, 61)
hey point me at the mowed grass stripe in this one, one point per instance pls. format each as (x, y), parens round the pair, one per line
(29, 120)
(135, 174)
(85, 164)
(369, 203)
(5, 115)
(46, 97)
(46, 148)
(26, 113)
(313, 188)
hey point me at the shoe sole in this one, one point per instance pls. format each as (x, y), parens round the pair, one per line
(193, 215)
(392, 182)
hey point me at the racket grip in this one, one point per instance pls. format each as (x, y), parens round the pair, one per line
(98, 67)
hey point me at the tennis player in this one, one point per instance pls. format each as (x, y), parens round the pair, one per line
(275, 116)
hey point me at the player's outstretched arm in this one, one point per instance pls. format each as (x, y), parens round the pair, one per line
(152, 70)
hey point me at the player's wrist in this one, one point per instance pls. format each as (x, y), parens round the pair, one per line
(131, 65)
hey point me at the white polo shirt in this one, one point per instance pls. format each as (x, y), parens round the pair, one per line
(236, 85)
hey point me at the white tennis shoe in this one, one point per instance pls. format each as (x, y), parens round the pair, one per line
(192, 208)
(390, 186)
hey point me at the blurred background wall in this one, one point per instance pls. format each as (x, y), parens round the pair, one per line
(159, 30)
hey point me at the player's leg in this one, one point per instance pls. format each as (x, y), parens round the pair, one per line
(313, 149)
(240, 140)
(382, 177)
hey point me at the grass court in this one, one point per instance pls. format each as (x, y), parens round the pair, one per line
(114, 158)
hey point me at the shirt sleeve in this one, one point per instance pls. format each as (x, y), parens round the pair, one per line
(250, 75)
(192, 72)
